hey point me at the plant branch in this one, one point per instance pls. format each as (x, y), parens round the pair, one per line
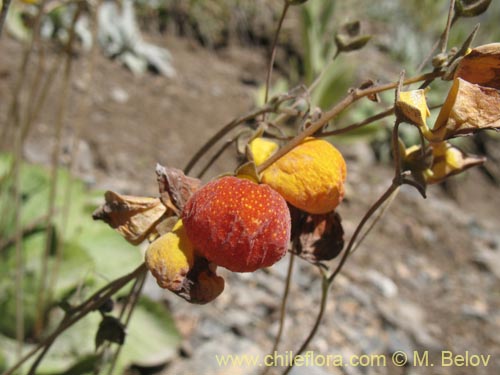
(446, 32)
(325, 285)
(286, 5)
(357, 125)
(132, 300)
(284, 300)
(270, 107)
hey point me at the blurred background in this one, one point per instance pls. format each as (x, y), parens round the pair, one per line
(94, 93)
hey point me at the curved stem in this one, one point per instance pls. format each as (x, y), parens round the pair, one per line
(214, 158)
(132, 299)
(286, 5)
(284, 300)
(325, 285)
(359, 124)
(225, 129)
(387, 194)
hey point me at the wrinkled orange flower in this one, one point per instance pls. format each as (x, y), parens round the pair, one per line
(310, 177)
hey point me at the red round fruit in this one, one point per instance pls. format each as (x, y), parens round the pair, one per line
(238, 224)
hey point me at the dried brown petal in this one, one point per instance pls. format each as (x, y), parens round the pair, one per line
(175, 187)
(481, 66)
(321, 237)
(467, 109)
(133, 217)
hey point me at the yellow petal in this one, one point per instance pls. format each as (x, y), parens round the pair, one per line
(262, 149)
(449, 160)
(413, 105)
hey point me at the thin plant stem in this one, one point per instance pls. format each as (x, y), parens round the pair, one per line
(284, 301)
(357, 125)
(34, 112)
(325, 285)
(444, 35)
(134, 298)
(270, 107)
(77, 313)
(13, 116)
(443, 40)
(216, 156)
(34, 226)
(74, 150)
(46, 275)
(19, 285)
(446, 32)
(376, 219)
(387, 194)
(286, 5)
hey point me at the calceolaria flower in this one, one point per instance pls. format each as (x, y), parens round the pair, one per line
(411, 106)
(438, 162)
(310, 177)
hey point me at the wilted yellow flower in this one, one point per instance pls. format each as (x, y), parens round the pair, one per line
(311, 176)
(170, 257)
(448, 160)
(413, 106)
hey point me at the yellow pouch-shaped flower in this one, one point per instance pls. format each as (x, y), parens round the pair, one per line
(310, 177)
(170, 257)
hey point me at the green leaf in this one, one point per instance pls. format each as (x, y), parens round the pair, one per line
(112, 255)
(152, 338)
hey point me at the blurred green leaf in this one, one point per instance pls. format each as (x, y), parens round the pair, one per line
(152, 338)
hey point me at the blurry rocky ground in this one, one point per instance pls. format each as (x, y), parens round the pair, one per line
(426, 279)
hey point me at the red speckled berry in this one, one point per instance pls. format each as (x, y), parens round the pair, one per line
(238, 224)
